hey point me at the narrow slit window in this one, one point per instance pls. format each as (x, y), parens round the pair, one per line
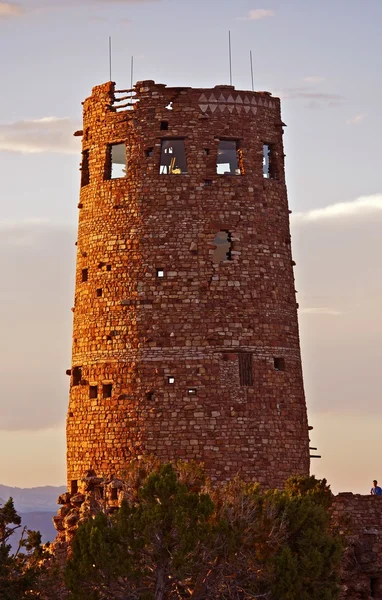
(223, 249)
(84, 275)
(93, 392)
(115, 161)
(173, 158)
(85, 176)
(107, 389)
(76, 376)
(73, 487)
(279, 363)
(245, 369)
(114, 493)
(230, 158)
(99, 292)
(108, 267)
(268, 161)
(192, 392)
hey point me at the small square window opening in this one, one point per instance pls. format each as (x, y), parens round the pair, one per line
(93, 392)
(160, 273)
(279, 363)
(99, 292)
(149, 152)
(164, 125)
(171, 380)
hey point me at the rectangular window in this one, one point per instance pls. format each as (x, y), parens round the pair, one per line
(173, 158)
(107, 389)
(269, 171)
(230, 158)
(76, 375)
(85, 168)
(84, 275)
(93, 391)
(245, 369)
(73, 487)
(114, 493)
(115, 167)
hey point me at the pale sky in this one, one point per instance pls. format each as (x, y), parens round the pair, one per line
(324, 60)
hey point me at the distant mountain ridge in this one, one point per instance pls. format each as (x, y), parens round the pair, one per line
(37, 499)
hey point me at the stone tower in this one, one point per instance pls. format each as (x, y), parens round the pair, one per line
(185, 337)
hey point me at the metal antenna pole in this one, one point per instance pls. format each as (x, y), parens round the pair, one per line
(110, 57)
(132, 72)
(230, 58)
(250, 57)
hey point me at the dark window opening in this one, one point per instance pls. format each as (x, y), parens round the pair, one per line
(171, 380)
(99, 292)
(269, 171)
(206, 151)
(207, 182)
(160, 273)
(115, 167)
(245, 369)
(192, 392)
(108, 338)
(84, 275)
(375, 587)
(114, 493)
(279, 363)
(230, 158)
(223, 243)
(93, 392)
(150, 395)
(108, 267)
(173, 158)
(101, 492)
(164, 125)
(74, 486)
(85, 176)
(149, 152)
(107, 389)
(76, 375)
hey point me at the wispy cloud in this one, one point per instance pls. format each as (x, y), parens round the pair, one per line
(357, 119)
(10, 9)
(49, 134)
(256, 14)
(321, 310)
(313, 79)
(360, 206)
(315, 99)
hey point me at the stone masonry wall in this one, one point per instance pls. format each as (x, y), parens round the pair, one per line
(361, 516)
(203, 323)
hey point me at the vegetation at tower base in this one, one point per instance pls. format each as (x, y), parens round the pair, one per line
(20, 572)
(175, 537)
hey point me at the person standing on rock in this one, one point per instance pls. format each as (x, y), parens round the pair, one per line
(376, 490)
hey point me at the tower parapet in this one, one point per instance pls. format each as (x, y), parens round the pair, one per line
(185, 336)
